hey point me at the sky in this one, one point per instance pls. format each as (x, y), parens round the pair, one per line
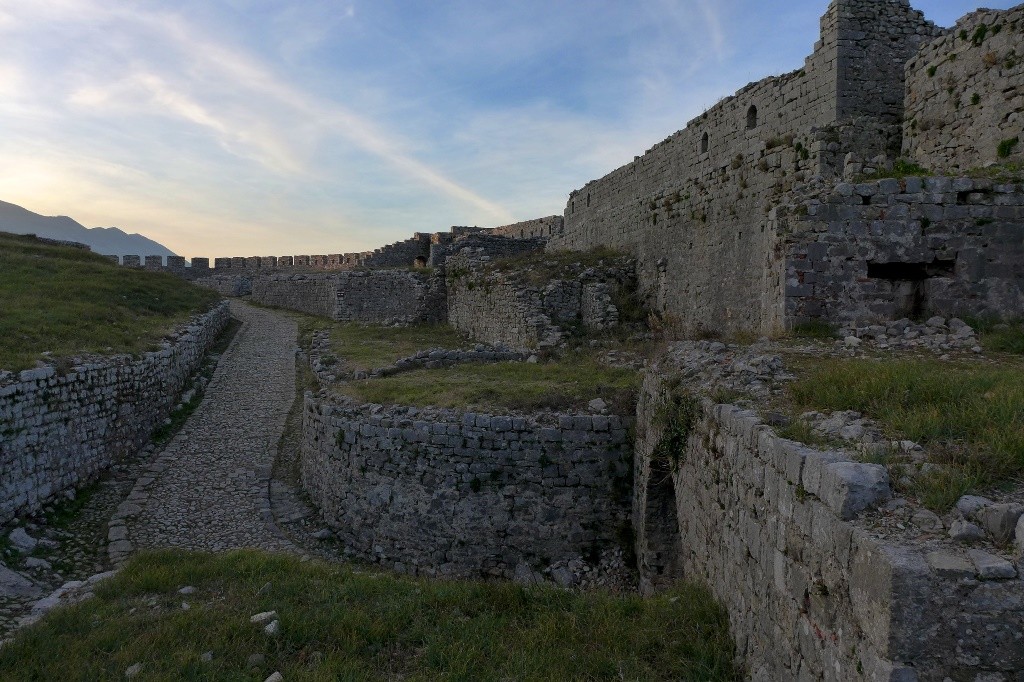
(260, 127)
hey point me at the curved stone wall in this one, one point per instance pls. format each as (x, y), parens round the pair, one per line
(443, 492)
(58, 432)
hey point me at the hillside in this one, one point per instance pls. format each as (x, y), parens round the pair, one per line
(103, 240)
(64, 301)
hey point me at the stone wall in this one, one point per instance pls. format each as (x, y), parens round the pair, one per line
(891, 248)
(378, 296)
(442, 492)
(786, 538)
(539, 227)
(226, 285)
(59, 432)
(508, 308)
(965, 94)
(694, 208)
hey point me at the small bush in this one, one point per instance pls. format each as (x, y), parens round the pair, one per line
(1006, 147)
(677, 416)
(814, 329)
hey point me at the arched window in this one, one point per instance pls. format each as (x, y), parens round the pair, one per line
(704, 144)
(751, 117)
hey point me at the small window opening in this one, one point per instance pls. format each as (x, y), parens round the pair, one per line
(420, 262)
(751, 117)
(588, 199)
(704, 144)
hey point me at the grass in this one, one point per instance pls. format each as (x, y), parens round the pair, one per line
(1000, 337)
(900, 169)
(68, 302)
(814, 329)
(970, 417)
(569, 383)
(368, 347)
(339, 624)
(542, 267)
(1000, 172)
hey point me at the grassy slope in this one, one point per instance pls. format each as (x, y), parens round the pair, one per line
(366, 346)
(68, 301)
(970, 416)
(340, 624)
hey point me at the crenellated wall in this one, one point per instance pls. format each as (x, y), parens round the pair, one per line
(60, 431)
(965, 94)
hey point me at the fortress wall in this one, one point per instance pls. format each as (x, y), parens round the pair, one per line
(226, 285)
(390, 296)
(443, 492)
(892, 248)
(377, 296)
(539, 227)
(498, 308)
(784, 536)
(60, 432)
(697, 220)
(310, 294)
(400, 254)
(965, 94)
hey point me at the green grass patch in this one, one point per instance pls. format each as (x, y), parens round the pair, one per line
(68, 302)
(368, 346)
(815, 329)
(542, 267)
(900, 169)
(339, 624)
(568, 383)
(1000, 172)
(970, 417)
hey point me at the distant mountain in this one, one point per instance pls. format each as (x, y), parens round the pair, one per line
(103, 240)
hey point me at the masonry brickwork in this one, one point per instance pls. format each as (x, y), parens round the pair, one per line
(965, 94)
(62, 430)
(444, 492)
(781, 533)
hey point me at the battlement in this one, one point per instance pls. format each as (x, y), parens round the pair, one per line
(418, 251)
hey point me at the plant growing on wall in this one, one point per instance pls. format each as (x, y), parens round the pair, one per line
(677, 417)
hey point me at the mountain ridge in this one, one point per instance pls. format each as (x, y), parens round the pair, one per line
(103, 240)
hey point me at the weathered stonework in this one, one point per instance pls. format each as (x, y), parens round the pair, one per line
(61, 431)
(443, 492)
(965, 94)
(888, 249)
(380, 296)
(782, 534)
(694, 208)
(506, 308)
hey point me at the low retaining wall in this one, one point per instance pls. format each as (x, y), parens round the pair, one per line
(784, 537)
(377, 296)
(59, 432)
(441, 492)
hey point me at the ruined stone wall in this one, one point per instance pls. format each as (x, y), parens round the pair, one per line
(378, 296)
(310, 294)
(784, 537)
(509, 308)
(443, 492)
(539, 227)
(400, 254)
(59, 432)
(693, 209)
(891, 248)
(965, 94)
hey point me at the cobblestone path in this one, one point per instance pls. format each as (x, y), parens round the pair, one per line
(208, 489)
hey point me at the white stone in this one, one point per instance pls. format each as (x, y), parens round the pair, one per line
(263, 617)
(22, 541)
(272, 628)
(276, 677)
(990, 566)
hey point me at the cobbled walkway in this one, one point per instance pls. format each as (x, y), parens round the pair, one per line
(208, 489)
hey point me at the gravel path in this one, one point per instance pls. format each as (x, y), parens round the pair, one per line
(208, 489)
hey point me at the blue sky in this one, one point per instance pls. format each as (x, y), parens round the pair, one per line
(252, 127)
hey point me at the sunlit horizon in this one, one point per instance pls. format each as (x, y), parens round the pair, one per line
(239, 128)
